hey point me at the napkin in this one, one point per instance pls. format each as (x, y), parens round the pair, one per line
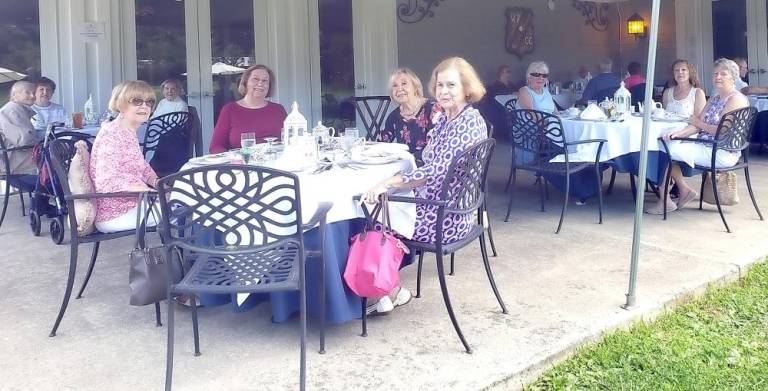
(593, 113)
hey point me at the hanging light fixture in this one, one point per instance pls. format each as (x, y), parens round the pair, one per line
(636, 26)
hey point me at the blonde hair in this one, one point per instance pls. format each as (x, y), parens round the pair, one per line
(418, 88)
(693, 76)
(127, 90)
(247, 74)
(470, 82)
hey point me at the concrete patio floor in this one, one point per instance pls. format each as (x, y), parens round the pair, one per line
(561, 291)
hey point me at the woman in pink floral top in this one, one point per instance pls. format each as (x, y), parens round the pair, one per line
(455, 85)
(117, 163)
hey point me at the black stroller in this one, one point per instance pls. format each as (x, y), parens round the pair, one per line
(47, 199)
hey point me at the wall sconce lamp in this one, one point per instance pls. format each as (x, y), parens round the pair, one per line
(636, 26)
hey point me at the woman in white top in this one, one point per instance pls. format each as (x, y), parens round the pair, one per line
(685, 97)
(171, 101)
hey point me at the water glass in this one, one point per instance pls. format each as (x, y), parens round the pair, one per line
(352, 132)
(247, 140)
(348, 142)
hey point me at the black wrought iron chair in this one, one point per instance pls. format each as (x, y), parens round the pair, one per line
(243, 227)
(461, 193)
(509, 108)
(733, 135)
(196, 132)
(540, 137)
(11, 179)
(169, 140)
(372, 111)
(61, 152)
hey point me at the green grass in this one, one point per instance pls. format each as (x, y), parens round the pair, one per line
(716, 342)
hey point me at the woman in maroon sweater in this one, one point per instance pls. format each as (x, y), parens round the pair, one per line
(253, 113)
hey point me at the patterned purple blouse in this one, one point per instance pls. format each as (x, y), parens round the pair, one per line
(712, 113)
(448, 139)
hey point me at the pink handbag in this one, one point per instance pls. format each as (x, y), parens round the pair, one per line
(373, 265)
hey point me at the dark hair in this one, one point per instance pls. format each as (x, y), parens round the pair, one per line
(247, 74)
(44, 81)
(634, 68)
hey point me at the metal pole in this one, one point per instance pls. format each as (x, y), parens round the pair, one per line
(631, 294)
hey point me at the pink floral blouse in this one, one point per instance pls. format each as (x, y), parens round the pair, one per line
(116, 164)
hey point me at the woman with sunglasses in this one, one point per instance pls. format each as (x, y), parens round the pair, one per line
(535, 94)
(117, 163)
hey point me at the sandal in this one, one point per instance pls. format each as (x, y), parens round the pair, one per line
(659, 209)
(683, 201)
(385, 305)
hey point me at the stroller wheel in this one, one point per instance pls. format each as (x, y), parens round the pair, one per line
(57, 230)
(34, 222)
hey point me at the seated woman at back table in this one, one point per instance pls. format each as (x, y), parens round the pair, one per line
(634, 77)
(535, 94)
(17, 131)
(251, 114)
(411, 121)
(117, 163)
(46, 111)
(685, 97)
(704, 125)
(455, 85)
(171, 101)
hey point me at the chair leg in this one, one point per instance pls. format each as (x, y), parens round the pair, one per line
(509, 178)
(610, 183)
(158, 322)
(751, 194)
(418, 275)
(303, 337)
(23, 207)
(541, 191)
(94, 254)
(322, 304)
(599, 178)
(169, 344)
(509, 205)
(68, 289)
(717, 201)
(195, 328)
(666, 189)
(633, 186)
(5, 201)
(488, 271)
(447, 300)
(364, 331)
(487, 220)
(565, 202)
(453, 256)
(701, 190)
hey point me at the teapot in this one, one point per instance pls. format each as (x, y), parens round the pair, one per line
(656, 106)
(322, 133)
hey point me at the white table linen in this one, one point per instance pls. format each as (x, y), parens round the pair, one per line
(760, 102)
(503, 99)
(622, 137)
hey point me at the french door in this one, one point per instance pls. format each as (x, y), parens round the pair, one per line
(740, 29)
(757, 42)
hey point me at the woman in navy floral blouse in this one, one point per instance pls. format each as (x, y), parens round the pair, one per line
(455, 85)
(411, 121)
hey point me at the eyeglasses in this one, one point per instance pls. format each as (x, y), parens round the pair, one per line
(138, 102)
(536, 74)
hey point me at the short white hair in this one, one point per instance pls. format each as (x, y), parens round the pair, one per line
(537, 66)
(728, 65)
(20, 86)
(606, 65)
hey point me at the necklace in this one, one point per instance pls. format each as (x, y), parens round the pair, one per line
(408, 112)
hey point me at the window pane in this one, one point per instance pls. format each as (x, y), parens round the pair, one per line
(160, 41)
(337, 66)
(19, 43)
(729, 28)
(232, 43)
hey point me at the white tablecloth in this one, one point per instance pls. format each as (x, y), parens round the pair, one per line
(339, 185)
(503, 99)
(758, 101)
(622, 137)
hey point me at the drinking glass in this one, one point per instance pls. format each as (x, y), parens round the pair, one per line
(270, 153)
(352, 132)
(247, 140)
(348, 142)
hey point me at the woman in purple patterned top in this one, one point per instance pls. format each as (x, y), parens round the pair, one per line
(455, 85)
(704, 126)
(411, 121)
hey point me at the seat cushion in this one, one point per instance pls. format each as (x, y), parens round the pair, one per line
(80, 183)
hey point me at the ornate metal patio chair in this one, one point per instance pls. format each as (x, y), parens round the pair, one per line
(170, 142)
(540, 136)
(196, 132)
(461, 193)
(733, 135)
(61, 152)
(254, 216)
(372, 111)
(11, 179)
(509, 108)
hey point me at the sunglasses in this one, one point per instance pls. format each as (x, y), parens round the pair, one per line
(536, 74)
(138, 102)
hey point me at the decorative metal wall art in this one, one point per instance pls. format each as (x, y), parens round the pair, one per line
(595, 13)
(519, 31)
(414, 11)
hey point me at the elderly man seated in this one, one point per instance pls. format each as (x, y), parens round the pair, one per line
(17, 131)
(602, 85)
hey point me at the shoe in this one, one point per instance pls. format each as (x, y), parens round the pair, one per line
(184, 300)
(403, 297)
(658, 210)
(385, 305)
(682, 202)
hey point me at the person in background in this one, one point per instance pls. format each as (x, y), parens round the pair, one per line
(503, 84)
(704, 126)
(253, 113)
(16, 128)
(743, 83)
(634, 77)
(117, 163)
(685, 97)
(171, 101)
(411, 121)
(602, 84)
(46, 111)
(535, 94)
(455, 85)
